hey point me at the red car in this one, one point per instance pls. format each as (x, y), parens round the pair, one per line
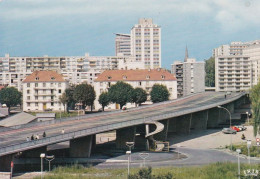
(235, 128)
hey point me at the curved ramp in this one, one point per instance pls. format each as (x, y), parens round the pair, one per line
(159, 128)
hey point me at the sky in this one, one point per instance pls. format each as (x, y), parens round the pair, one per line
(76, 27)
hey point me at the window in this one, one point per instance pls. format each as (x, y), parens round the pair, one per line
(52, 103)
(36, 104)
(28, 91)
(52, 78)
(28, 104)
(28, 84)
(147, 77)
(37, 78)
(51, 84)
(59, 90)
(140, 83)
(124, 77)
(36, 84)
(59, 84)
(163, 77)
(28, 97)
(36, 97)
(109, 77)
(109, 84)
(44, 84)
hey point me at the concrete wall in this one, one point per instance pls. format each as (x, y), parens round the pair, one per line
(81, 147)
(213, 118)
(180, 124)
(199, 120)
(5, 163)
(125, 135)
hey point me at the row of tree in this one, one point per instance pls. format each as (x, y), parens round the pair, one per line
(122, 93)
(119, 93)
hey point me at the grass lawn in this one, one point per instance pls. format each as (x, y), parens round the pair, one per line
(254, 150)
(211, 171)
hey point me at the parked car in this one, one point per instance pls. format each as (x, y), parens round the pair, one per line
(229, 131)
(242, 128)
(235, 128)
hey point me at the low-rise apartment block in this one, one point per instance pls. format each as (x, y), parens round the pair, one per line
(144, 79)
(41, 91)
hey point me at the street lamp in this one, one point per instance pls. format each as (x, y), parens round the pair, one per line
(49, 159)
(238, 162)
(128, 153)
(42, 156)
(229, 126)
(247, 117)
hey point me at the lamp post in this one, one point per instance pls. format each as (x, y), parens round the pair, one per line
(238, 162)
(247, 117)
(229, 125)
(42, 156)
(130, 145)
(128, 171)
(49, 159)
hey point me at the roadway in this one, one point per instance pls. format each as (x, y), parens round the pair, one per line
(139, 115)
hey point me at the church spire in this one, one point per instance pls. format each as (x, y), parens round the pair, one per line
(186, 54)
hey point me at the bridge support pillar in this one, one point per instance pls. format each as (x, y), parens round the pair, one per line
(125, 135)
(81, 147)
(213, 118)
(199, 120)
(5, 163)
(180, 124)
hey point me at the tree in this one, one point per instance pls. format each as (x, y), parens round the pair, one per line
(85, 94)
(210, 72)
(120, 93)
(159, 93)
(91, 96)
(63, 99)
(70, 100)
(10, 96)
(104, 100)
(139, 96)
(255, 100)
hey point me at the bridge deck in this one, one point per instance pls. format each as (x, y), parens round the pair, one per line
(15, 140)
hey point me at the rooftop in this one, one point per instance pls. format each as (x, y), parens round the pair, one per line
(44, 76)
(136, 75)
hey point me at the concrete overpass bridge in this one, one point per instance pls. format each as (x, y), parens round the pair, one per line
(155, 121)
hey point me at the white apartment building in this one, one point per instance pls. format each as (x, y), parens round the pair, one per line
(145, 79)
(232, 73)
(253, 52)
(123, 44)
(235, 48)
(41, 91)
(75, 69)
(190, 76)
(146, 43)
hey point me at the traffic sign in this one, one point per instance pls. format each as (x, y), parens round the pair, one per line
(257, 140)
(12, 164)
(257, 143)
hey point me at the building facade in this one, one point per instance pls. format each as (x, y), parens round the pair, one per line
(75, 69)
(144, 79)
(190, 76)
(232, 73)
(41, 91)
(123, 44)
(146, 43)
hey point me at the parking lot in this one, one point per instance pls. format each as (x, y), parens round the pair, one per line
(209, 139)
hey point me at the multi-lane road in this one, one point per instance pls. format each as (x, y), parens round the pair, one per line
(15, 139)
